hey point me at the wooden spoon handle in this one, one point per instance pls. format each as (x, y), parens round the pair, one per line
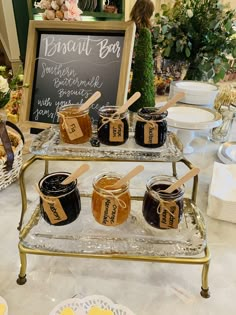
(171, 102)
(129, 102)
(182, 180)
(78, 172)
(138, 169)
(90, 101)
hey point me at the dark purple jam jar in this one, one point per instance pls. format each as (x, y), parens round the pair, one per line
(112, 130)
(170, 213)
(151, 127)
(61, 204)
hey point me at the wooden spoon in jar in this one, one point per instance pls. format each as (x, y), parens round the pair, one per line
(171, 102)
(128, 103)
(73, 176)
(138, 169)
(90, 101)
(182, 180)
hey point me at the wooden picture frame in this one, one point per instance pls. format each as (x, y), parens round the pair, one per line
(37, 29)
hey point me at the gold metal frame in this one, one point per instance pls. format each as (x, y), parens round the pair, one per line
(204, 260)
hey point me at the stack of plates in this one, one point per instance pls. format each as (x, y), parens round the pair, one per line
(196, 93)
(227, 152)
(193, 117)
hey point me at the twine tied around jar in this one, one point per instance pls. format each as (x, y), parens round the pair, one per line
(64, 119)
(166, 205)
(48, 198)
(53, 207)
(105, 120)
(151, 122)
(110, 194)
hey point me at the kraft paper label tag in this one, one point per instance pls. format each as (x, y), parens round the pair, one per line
(169, 217)
(73, 128)
(116, 132)
(54, 210)
(109, 211)
(150, 134)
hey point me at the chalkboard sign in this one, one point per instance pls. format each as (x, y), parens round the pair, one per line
(66, 62)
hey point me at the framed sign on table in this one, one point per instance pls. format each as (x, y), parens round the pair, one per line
(66, 62)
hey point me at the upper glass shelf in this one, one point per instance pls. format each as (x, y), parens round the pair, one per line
(48, 143)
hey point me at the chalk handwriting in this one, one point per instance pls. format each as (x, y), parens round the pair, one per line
(81, 46)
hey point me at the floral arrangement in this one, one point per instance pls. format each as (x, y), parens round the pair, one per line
(4, 87)
(162, 84)
(198, 32)
(11, 91)
(60, 9)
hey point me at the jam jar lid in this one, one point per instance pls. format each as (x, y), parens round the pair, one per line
(109, 110)
(50, 184)
(151, 113)
(164, 181)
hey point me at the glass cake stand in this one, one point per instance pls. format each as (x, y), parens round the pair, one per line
(133, 240)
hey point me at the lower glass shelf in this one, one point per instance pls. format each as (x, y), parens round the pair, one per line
(135, 237)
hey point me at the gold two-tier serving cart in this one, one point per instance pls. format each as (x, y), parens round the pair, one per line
(132, 240)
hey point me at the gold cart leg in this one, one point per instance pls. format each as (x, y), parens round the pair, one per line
(46, 167)
(23, 189)
(22, 275)
(174, 170)
(205, 287)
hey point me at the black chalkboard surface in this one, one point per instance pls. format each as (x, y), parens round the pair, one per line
(67, 62)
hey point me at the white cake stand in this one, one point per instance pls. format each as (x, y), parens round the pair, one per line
(188, 118)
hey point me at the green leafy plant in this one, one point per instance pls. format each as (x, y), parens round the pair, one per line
(143, 75)
(199, 32)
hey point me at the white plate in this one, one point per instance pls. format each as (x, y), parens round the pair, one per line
(82, 306)
(227, 152)
(193, 117)
(197, 93)
(196, 87)
(3, 304)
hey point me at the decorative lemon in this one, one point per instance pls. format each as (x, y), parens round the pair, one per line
(67, 311)
(98, 311)
(2, 309)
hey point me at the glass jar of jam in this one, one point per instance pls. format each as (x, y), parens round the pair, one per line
(110, 206)
(160, 209)
(150, 127)
(75, 125)
(113, 129)
(59, 204)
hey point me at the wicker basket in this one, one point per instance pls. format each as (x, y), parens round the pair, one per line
(8, 176)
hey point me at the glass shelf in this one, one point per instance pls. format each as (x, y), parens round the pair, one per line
(48, 143)
(134, 237)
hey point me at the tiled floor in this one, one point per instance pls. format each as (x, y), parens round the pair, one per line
(145, 288)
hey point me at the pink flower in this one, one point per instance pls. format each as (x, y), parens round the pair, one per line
(73, 12)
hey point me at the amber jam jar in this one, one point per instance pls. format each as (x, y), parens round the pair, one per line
(110, 207)
(162, 210)
(150, 127)
(113, 129)
(60, 204)
(75, 126)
